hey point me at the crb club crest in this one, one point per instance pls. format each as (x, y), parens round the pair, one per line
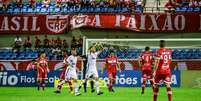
(56, 23)
(79, 21)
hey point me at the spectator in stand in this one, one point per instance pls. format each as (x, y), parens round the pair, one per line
(78, 4)
(80, 41)
(127, 2)
(169, 7)
(73, 42)
(193, 4)
(102, 3)
(52, 43)
(27, 43)
(138, 2)
(5, 4)
(93, 3)
(177, 3)
(58, 42)
(46, 42)
(65, 45)
(57, 52)
(58, 2)
(70, 3)
(32, 3)
(19, 3)
(196, 3)
(17, 44)
(37, 43)
(199, 2)
(46, 3)
(1, 4)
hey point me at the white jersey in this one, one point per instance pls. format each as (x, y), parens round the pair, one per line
(72, 61)
(92, 58)
(71, 71)
(91, 65)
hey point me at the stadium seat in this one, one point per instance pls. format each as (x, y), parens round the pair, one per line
(90, 10)
(97, 10)
(17, 10)
(8, 54)
(52, 5)
(105, 9)
(124, 10)
(44, 10)
(110, 10)
(138, 10)
(12, 5)
(185, 4)
(196, 9)
(83, 10)
(57, 10)
(189, 9)
(183, 9)
(177, 9)
(39, 5)
(65, 10)
(52, 10)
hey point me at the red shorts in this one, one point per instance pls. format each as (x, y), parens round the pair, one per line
(112, 75)
(42, 75)
(148, 74)
(162, 77)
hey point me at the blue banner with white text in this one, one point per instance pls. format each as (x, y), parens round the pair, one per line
(127, 78)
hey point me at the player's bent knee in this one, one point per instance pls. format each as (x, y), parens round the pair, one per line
(169, 92)
(167, 84)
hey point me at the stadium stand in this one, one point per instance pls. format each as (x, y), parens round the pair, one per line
(73, 6)
(184, 53)
(187, 5)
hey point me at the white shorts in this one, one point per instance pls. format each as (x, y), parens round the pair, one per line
(70, 74)
(92, 73)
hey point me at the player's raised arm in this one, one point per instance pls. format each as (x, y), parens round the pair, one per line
(100, 48)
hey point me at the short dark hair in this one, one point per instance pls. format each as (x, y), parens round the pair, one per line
(111, 52)
(162, 43)
(147, 48)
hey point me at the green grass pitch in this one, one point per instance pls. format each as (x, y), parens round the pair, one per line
(121, 94)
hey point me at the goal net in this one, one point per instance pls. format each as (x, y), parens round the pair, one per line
(128, 50)
(141, 43)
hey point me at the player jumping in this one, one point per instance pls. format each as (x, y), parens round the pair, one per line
(163, 71)
(42, 69)
(111, 65)
(146, 62)
(62, 76)
(70, 73)
(92, 72)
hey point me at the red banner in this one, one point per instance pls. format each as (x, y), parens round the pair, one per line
(33, 24)
(176, 22)
(125, 64)
(57, 24)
